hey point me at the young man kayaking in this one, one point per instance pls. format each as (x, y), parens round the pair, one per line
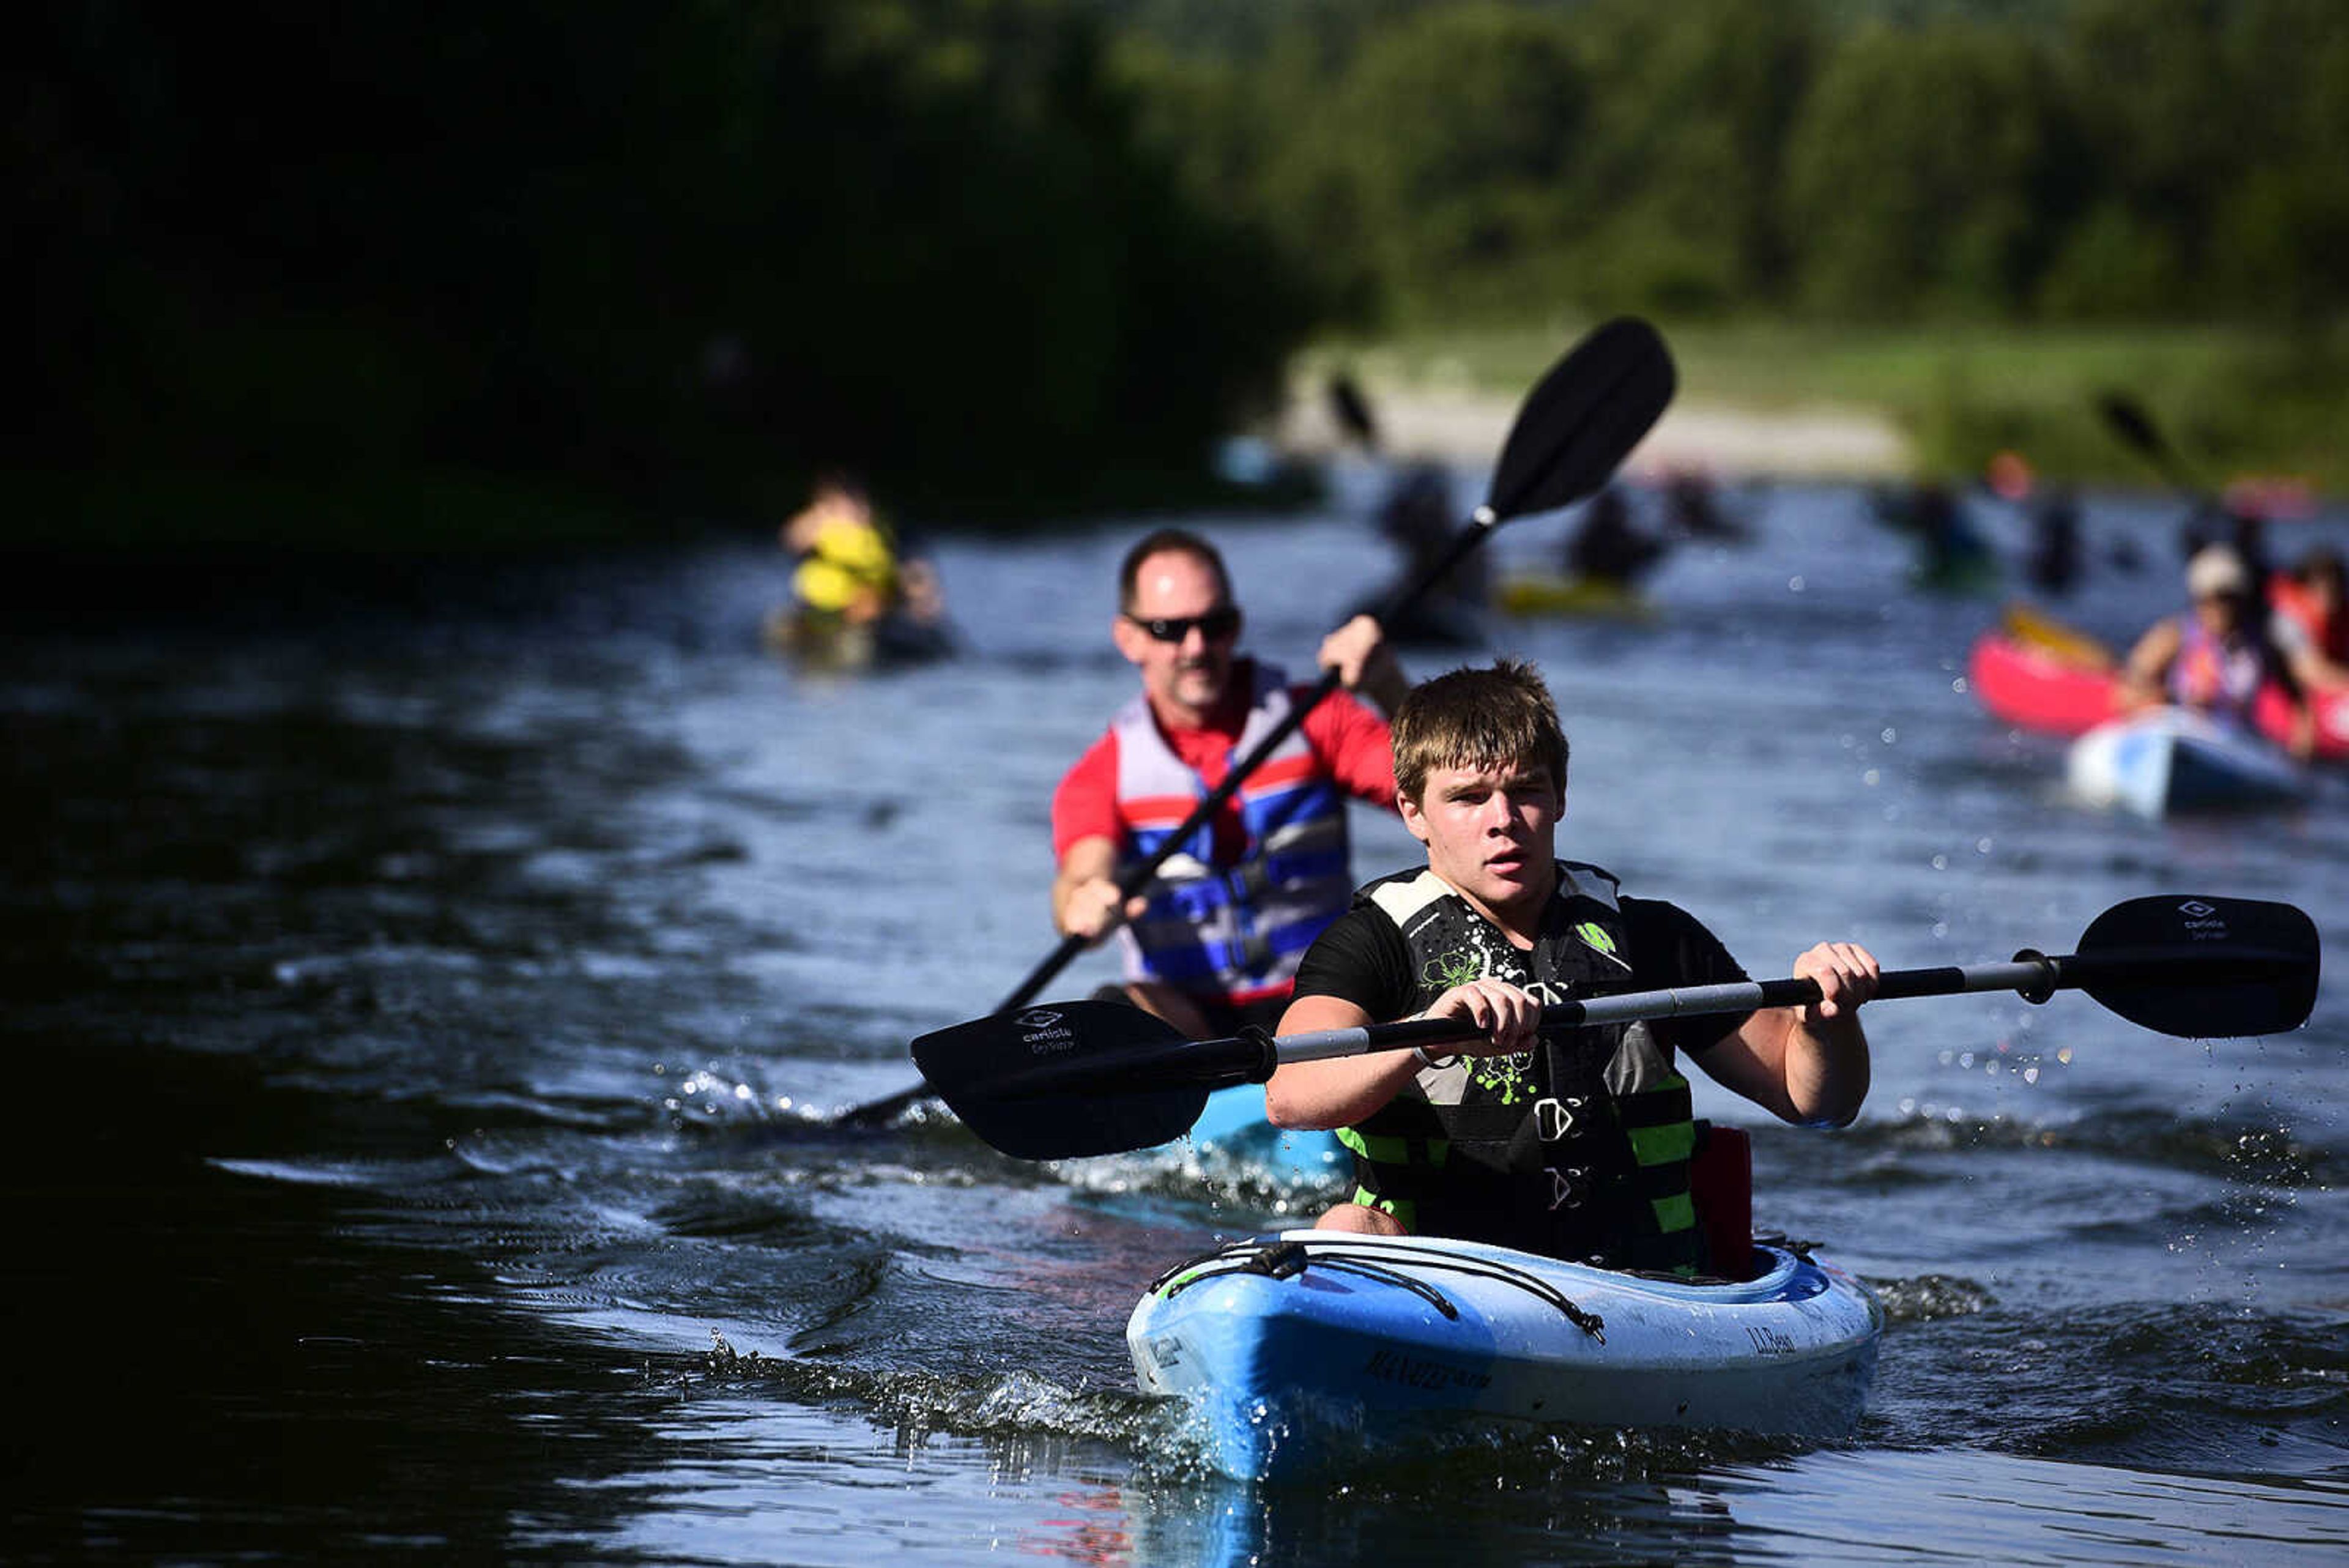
(1575, 1145)
(1214, 942)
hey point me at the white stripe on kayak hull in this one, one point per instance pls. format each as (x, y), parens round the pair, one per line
(1332, 1366)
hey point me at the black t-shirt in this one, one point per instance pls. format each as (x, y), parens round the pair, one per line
(1362, 959)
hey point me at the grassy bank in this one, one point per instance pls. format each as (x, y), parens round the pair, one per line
(2230, 401)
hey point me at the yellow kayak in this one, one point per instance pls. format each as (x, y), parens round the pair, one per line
(2034, 627)
(815, 641)
(1563, 595)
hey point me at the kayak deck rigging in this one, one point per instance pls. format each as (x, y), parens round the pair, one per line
(1287, 1259)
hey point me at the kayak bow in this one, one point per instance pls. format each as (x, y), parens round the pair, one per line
(1312, 1350)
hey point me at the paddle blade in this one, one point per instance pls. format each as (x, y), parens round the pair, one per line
(2201, 968)
(1352, 411)
(1064, 1081)
(1582, 420)
(2130, 423)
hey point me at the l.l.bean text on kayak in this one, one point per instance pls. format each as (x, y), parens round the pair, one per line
(1769, 1341)
(1416, 1372)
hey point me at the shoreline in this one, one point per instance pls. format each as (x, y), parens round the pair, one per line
(1725, 441)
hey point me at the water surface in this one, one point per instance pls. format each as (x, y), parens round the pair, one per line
(418, 1003)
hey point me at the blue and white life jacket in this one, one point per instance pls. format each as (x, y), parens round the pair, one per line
(2221, 677)
(1232, 929)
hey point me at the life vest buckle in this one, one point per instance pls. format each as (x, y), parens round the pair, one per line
(1568, 1188)
(1554, 1119)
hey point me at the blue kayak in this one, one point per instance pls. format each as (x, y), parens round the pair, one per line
(1234, 1124)
(1311, 1352)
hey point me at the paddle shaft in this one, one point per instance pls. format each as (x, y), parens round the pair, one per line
(1244, 1058)
(2150, 446)
(2136, 427)
(1683, 1001)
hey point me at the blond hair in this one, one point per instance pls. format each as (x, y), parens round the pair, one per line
(1475, 719)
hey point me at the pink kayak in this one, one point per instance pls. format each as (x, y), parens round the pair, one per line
(2032, 689)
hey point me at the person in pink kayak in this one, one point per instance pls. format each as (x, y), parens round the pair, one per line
(2311, 618)
(2219, 656)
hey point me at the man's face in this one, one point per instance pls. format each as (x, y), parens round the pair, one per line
(1184, 677)
(1491, 832)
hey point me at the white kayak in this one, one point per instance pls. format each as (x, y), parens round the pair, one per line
(2172, 760)
(1315, 1351)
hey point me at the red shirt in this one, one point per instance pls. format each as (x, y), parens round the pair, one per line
(1348, 739)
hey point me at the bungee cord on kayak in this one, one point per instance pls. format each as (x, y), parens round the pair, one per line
(1287, 1259)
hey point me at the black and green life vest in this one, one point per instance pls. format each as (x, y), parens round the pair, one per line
(1578, 1149)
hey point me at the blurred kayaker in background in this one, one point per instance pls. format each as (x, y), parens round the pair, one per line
(1952, 556)
(2218, 658)
(1416, 516)
(858, 593)
(1577, 1145)
(2057, 558)
(2311, 622)
(1607, 546)
(1693, 510)
(845, 565)
(1212, 945)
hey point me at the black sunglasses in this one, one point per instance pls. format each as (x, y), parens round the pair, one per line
(1215, 626)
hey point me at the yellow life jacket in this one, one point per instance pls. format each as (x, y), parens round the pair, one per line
(850, 563)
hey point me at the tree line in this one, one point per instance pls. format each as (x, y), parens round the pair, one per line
(1034, 255)
(686, 256)
(2099, 160)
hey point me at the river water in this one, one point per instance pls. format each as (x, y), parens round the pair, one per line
(418, 1001)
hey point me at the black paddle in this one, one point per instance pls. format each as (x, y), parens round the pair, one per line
(1352, 411)
(1576, 427)
(1079, 1078)
(2131, 422)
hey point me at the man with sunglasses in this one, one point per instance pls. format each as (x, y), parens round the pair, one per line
(1213, 944)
